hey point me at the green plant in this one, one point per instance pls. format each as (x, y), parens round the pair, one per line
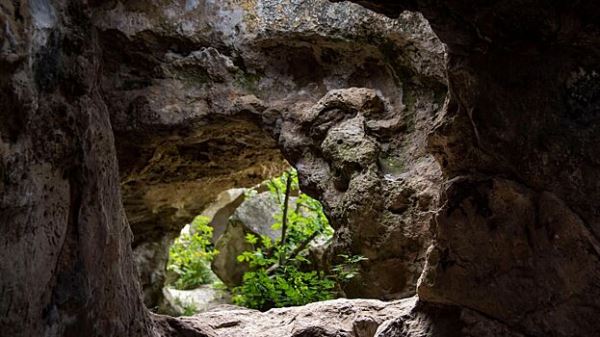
(190, 256)
(280, 273)
(348, 269)
(189, 308)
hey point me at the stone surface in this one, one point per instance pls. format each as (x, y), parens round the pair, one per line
(254, 216)
(198, 93)
(518, 236)
(515, 239)
(344, 318)
(364, 158)
(222, 209)
(66, 267)
(203, 298)
(347, 318)
(151, 260)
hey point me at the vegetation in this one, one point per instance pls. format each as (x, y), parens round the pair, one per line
(280, 273)
(190, 256)
(189, 308)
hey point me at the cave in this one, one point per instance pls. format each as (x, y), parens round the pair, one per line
(453, 144)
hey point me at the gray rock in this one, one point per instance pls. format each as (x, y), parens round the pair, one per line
(203, 298)
(254, 216)
(348, 148)
(350, 318)
(198, 96)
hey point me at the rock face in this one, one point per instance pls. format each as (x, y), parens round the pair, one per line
(518, 236)
(364, 158)
(198, 92)
(342, 318)
(151, 259)
(256, 216)
(200, 95)
(201, 299)
(66, 267)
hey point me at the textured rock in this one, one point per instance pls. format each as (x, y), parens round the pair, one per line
(66, 267)
(151, 260)
(222, 209)
(198, 92)
(254, 216)
(364, 158)
(345, 318)
(518, 236)
(201, 299)
(515, 241)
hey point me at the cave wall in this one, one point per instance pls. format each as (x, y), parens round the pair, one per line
(517, 239)
(204, 96)
(66, 267)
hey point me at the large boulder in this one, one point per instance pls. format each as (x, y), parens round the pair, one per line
(364, 158)
(254, 216)
(222, 209)
(347, 318)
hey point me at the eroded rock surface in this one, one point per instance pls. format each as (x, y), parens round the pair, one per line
(341, 318)
(518, 236)
(200, 93)
(66, 267)
(365, 159)
(254, 216)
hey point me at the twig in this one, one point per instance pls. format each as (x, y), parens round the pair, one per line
(296, 251)
(288, 187)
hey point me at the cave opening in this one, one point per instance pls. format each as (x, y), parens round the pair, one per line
(259, 247)
(350, 112)
(122, 121)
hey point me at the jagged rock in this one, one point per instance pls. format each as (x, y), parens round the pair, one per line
(198, 92)
(66, 267)
(181, 80)
(345, 318)
(364, 158)
(342, 317)
(222, 209)
(517, 237)
(151, 260)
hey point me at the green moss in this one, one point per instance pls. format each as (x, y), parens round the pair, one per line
(247, 81)
(391, 164)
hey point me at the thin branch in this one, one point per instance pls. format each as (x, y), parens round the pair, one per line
(296, 251)
(288, 187)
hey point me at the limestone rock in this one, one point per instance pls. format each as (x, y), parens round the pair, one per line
(347, 318)
(222, 209)
(202, 299)
(364, 158)
(342, 317)
(254, 216)
(66, 267)
(517, 236)
(198, 92)
(151, 260)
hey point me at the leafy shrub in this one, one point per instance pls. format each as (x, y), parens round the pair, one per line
(280, 274)
(190, 256)
(348, 268)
